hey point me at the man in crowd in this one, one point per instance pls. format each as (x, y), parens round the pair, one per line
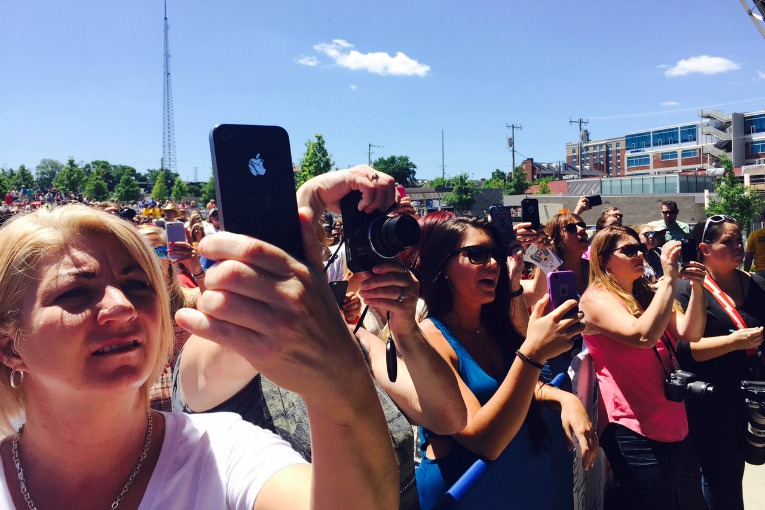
(213, 222)
(755, 250)
(675, 230)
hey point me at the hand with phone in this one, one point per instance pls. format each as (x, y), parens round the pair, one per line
(351, 307)
(550, 334)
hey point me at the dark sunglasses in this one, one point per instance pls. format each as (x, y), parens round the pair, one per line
(161, 251)
(573, 228)
(480, 254)
(649, 235)
(631, 250)
(717, 218)
(669, 212)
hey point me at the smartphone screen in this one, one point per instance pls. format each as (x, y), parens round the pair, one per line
(530, 212)
(594, 200)
(562, 286)
(176, 233)
(339, 288)
(688, 250)
(502, 218)
(255, 184)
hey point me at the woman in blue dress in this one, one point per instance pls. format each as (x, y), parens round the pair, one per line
(465, 284)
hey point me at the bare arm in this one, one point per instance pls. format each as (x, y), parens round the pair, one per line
(492, 426)
(690, 325)
(712, 347)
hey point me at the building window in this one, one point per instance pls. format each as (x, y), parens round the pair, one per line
(758, 147)
(755, 124)
(636, 161)
(638, 141)
(665, 136)
(690, 153)
(667, 156)
(688, 134)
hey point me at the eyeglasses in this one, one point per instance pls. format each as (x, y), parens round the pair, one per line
(573, 228)
(161, 251)
(480, 254)
(631, 250)
(667, 213)
(648, 235)
(618, 215)
(717, 218)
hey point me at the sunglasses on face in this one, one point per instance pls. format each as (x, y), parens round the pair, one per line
(161, 251)
(480, 254)
(573, 228)
(649, 235)
(631, 250)
(717, 218)
(667, 213)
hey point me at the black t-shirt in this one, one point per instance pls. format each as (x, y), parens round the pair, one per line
(728, 370)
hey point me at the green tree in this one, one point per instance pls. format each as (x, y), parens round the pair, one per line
(71, 178)
(544, 187)
(5, 186)
(498, 179)
(463, 193)
(127, 189)
(734, 198)
(23, 178)
(46, 172)
(159, 190)
(441, 182)
(96, 187)
(398, 167)
(316, 160)
(517, 185)
(208, 190)
(180, 189)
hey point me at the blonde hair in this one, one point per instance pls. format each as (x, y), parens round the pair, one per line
(27, 241)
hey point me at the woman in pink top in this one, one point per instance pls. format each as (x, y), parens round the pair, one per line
(631, 335)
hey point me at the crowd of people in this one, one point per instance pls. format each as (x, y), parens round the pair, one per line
(221, 372)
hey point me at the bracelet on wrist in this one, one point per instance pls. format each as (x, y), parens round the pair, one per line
(200, 275)
(528, 360)
(516, 293)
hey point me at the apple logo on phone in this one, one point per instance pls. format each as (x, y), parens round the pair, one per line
(256, 166)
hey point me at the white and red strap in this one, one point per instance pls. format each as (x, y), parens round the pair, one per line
(728, 305)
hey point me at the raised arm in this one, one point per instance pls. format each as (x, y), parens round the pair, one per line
(492, 426)
(281, 317)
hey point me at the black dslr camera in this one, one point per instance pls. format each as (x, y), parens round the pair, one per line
(375, 237)
(682, 385)
(754, 448)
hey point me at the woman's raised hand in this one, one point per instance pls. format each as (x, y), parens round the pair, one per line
(550, 335)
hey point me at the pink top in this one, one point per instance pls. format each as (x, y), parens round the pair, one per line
(631, 383)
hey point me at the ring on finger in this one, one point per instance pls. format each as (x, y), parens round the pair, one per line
(374, 177)
(400, 294)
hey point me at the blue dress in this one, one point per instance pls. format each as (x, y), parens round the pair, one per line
(521, 477)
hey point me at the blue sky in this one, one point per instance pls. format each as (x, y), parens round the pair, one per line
(83, 79)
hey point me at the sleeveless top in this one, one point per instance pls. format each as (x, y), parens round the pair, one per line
(267, 405)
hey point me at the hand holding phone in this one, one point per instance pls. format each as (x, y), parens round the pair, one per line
(530, 212)
(502, 218)
(561, 285)
(176, 233)
(688, 249)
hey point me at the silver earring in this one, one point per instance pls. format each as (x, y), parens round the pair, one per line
(14, 383)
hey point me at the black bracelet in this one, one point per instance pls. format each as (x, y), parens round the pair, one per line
(198, 275)
(516, 293)
(528, 360)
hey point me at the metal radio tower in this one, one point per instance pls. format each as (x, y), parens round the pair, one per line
(168, 123)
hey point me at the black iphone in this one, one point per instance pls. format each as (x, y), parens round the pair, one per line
(254, 184)
(688, 250)
(530, 212)
(594, 200)
(502, 217)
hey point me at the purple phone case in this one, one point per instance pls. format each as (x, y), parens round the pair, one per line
(561, 286)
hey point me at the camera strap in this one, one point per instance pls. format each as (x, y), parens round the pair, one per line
(672, 354)
(728, 305)
(333, 257)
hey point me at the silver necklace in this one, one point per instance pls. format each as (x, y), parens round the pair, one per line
(133, 475)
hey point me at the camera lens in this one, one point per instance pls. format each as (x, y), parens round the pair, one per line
(389, 236)
(225, 136)
(754, 450)
(701, 391)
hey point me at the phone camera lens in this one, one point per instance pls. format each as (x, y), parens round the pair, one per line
(225, 136)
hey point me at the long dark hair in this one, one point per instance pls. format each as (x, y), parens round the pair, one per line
(442, 241)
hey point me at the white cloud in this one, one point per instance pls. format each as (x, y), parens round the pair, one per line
(761, 75)
(378, 62)
(662, 66)
(354, 88)
(703, 64)
(669, 103)
(308, 61)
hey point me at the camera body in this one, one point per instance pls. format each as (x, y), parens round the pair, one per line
(754, 447)
(373, 238)
(682, 385)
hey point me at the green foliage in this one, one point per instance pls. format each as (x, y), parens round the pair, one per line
(180, 189)
(517, 185)
(194, 189)
(316, 161)
(208, 190)
(159, 191)
(96, 187)
(128, 190)
(5, 186)
(498, 180)
(463, 192)
(22, 178)
(398, 167)
(735, 199)
(544, 189)
(71, 178)
(46, 172)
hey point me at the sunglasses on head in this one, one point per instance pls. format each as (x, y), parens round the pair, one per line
(573, 228)
(717, 218)
(631, 250)
(161, 251)
(480, 254)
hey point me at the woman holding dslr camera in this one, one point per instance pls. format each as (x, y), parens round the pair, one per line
(735, 306)
(631, 334)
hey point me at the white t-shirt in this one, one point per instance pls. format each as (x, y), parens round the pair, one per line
(213, 460)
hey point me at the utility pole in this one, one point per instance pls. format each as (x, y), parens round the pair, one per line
(511, 141)
(579, 154)
(369, 152)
